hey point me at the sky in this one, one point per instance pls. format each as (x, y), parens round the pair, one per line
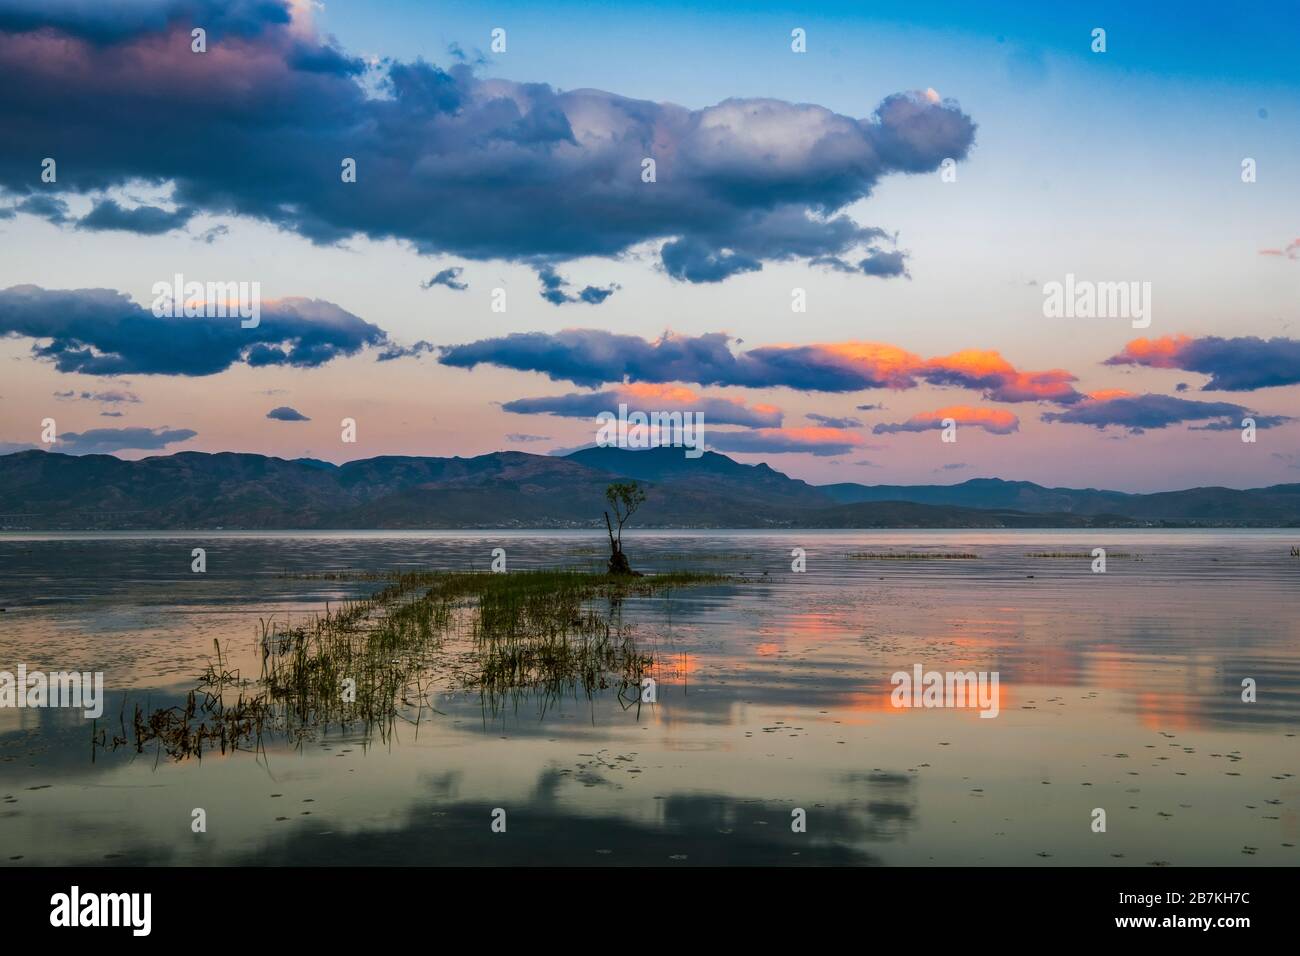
(857, 223)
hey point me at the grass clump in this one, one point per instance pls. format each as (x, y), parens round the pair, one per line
(372, 662)
(913, 556)
(1079, 554)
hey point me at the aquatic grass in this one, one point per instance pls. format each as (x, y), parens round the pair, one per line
(371, 662)
(1080, 554)
(912, 556)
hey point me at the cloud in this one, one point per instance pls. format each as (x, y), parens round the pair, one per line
(107, 215)
(1292, 250)
(521, 437)
(828, 421)
(449, 278)
(953, 466)
(1234, 365)
(286, 414)
(105, 441)
(999, 381)
(554, 284)
(448, 160)
(650, 398)
(995, 421)
(394, 351)
(46, 207)
(822, 442)
(1138, 413)
(209, 236)
(113, 397)
(103, 332)
(883, 263)
(593, 357)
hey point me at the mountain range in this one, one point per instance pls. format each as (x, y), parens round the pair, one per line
(47, 490)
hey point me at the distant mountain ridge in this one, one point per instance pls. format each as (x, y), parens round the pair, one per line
(46, 490)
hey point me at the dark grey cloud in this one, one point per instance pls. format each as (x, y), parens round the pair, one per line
(448, 160)
(995, 421)
(103, 332)
(285, 413)
(882, 263)
(593, 357)
(719, 411)
(105, 441)
(1240, 364)
(44, 206)
(449, 278)
(830, 421)
(100, 22)
(776, 441)
(554, 284)
(394, 351)
(1138, 413)
(107, 215)
(111, 397)
(209, 236)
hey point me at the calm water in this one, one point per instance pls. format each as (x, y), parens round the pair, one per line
(1119, 691)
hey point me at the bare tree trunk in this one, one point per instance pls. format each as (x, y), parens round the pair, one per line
(617, 559)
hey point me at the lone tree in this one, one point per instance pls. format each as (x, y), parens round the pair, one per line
(624, 497)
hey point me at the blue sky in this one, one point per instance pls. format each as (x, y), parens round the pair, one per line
(1122, 165)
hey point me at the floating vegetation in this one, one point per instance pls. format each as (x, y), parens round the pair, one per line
(371, 663)
(913, 556)
(1081, 554)
(708, 556)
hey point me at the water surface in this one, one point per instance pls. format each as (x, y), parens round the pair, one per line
(1120, 691)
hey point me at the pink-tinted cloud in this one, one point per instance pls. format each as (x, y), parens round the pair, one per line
(1240, 364)
(1292, 250)
(995, 421)
(649, 397)
(1138, 413)
(998, 379)
(822, 442)
(595, 356)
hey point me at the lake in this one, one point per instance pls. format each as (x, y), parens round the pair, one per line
(773, 736)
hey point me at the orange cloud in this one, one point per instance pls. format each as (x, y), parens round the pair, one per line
(1154, 353)
(995, 421)
(988, 371)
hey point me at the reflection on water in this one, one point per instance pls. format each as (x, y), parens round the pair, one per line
(1120, 691)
